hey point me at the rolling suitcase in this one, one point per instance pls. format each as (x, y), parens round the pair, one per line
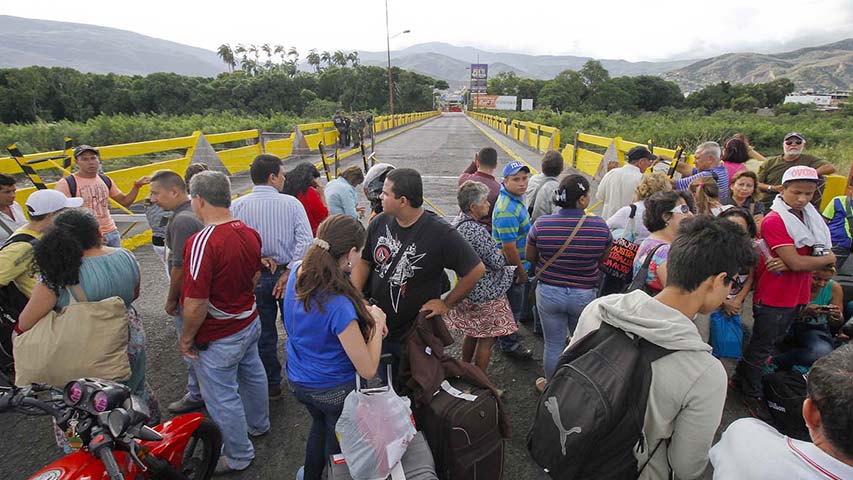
(461, 425)
(417, 463)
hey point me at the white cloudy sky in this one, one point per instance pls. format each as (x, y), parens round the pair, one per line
(632, 30)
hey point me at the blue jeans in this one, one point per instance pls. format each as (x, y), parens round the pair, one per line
(112, 239)
(268, 309)
(193, 390)
(234, 387)
(518, 302)
(812, 343)
(559, 309)
(325, 406)
(771, 324)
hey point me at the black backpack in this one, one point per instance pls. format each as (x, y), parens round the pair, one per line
(12, 302)
(590, 417)
(785, 392)
(72, 183)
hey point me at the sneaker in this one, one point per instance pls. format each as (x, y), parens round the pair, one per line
(541, 383)
(757, 408)
(300, 474)
(519, 353)
(275, 392)
(185, 405)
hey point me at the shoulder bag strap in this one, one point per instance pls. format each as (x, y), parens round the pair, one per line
(5, 227)
(562, 248)
(76, 294)
(640, 278)
(631, 225)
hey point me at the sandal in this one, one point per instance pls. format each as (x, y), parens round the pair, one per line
(541, 383)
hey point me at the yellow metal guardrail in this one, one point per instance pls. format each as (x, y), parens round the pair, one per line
(305, 136)
(543, 138)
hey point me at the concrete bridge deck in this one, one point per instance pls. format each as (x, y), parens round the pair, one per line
(439, 148)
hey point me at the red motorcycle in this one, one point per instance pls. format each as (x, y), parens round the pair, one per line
(116, 443)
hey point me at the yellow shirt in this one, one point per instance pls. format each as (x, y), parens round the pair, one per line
(16, 262)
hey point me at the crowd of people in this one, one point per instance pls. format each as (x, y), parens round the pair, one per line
(715, 242)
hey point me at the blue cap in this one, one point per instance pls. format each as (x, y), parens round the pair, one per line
(512, 168)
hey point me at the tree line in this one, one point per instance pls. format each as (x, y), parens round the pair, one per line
(591, 89)
(263, 84)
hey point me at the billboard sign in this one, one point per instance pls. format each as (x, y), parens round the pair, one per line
(495, 102)
(526, 104)
(479, 77)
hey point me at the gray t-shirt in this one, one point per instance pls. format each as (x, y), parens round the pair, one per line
(183, 225)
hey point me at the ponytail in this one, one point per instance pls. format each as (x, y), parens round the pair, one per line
(706, 192)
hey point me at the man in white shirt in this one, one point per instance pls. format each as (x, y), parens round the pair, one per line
(11, 214)
(751, 449)
(617, 187)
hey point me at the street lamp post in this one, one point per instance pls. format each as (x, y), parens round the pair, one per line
(390, 78)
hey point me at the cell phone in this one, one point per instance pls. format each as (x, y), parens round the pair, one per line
(382, 380)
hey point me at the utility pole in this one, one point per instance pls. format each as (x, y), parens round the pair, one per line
(390, 79)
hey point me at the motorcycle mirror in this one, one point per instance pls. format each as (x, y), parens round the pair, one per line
(118, 421)
(148, 434)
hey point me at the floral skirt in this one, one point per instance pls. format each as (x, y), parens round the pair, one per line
(482, 320)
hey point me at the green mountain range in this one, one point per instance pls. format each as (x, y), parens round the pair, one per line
(91, 48)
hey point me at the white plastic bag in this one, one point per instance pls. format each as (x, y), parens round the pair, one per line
(374, 431)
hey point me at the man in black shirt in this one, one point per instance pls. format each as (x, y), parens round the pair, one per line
(406, 252)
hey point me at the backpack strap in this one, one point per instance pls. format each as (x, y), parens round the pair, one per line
(848, 210)
(536, 194)
(21, 237)
(71, 180)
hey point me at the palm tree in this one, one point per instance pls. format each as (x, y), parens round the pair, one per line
(353, 58)
(326, 57)
(241, 51)
(292, 52)
(314, 59)
(268, 52)
(227, 55)
(339, 58)
(253, 49)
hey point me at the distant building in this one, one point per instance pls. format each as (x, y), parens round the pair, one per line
(823, 101)
(819, 100)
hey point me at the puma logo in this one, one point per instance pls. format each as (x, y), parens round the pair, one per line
(554, 409)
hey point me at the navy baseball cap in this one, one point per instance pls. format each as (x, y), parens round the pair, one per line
(512, 168)
(639, 153)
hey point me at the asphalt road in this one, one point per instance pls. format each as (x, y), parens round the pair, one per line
(440, 149)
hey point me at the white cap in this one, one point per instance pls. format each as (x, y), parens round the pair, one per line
(800, 172)
(42, 202)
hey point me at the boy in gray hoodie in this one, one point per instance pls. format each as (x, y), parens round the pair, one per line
(688, 388)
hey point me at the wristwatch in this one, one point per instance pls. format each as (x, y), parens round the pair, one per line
(770, 189)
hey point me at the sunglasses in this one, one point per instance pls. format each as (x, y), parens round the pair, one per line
(683, 209)
(793, 142)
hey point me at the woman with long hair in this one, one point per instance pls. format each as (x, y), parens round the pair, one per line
(332, 334)
(706, 193)
(303, 182)
(73, 254)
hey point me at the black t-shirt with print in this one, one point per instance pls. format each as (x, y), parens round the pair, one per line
(424, 250)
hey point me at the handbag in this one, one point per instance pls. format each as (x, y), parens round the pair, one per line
(619, 264)
(374, 429)
(531, 293)
(84, 339)
(726, 335)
